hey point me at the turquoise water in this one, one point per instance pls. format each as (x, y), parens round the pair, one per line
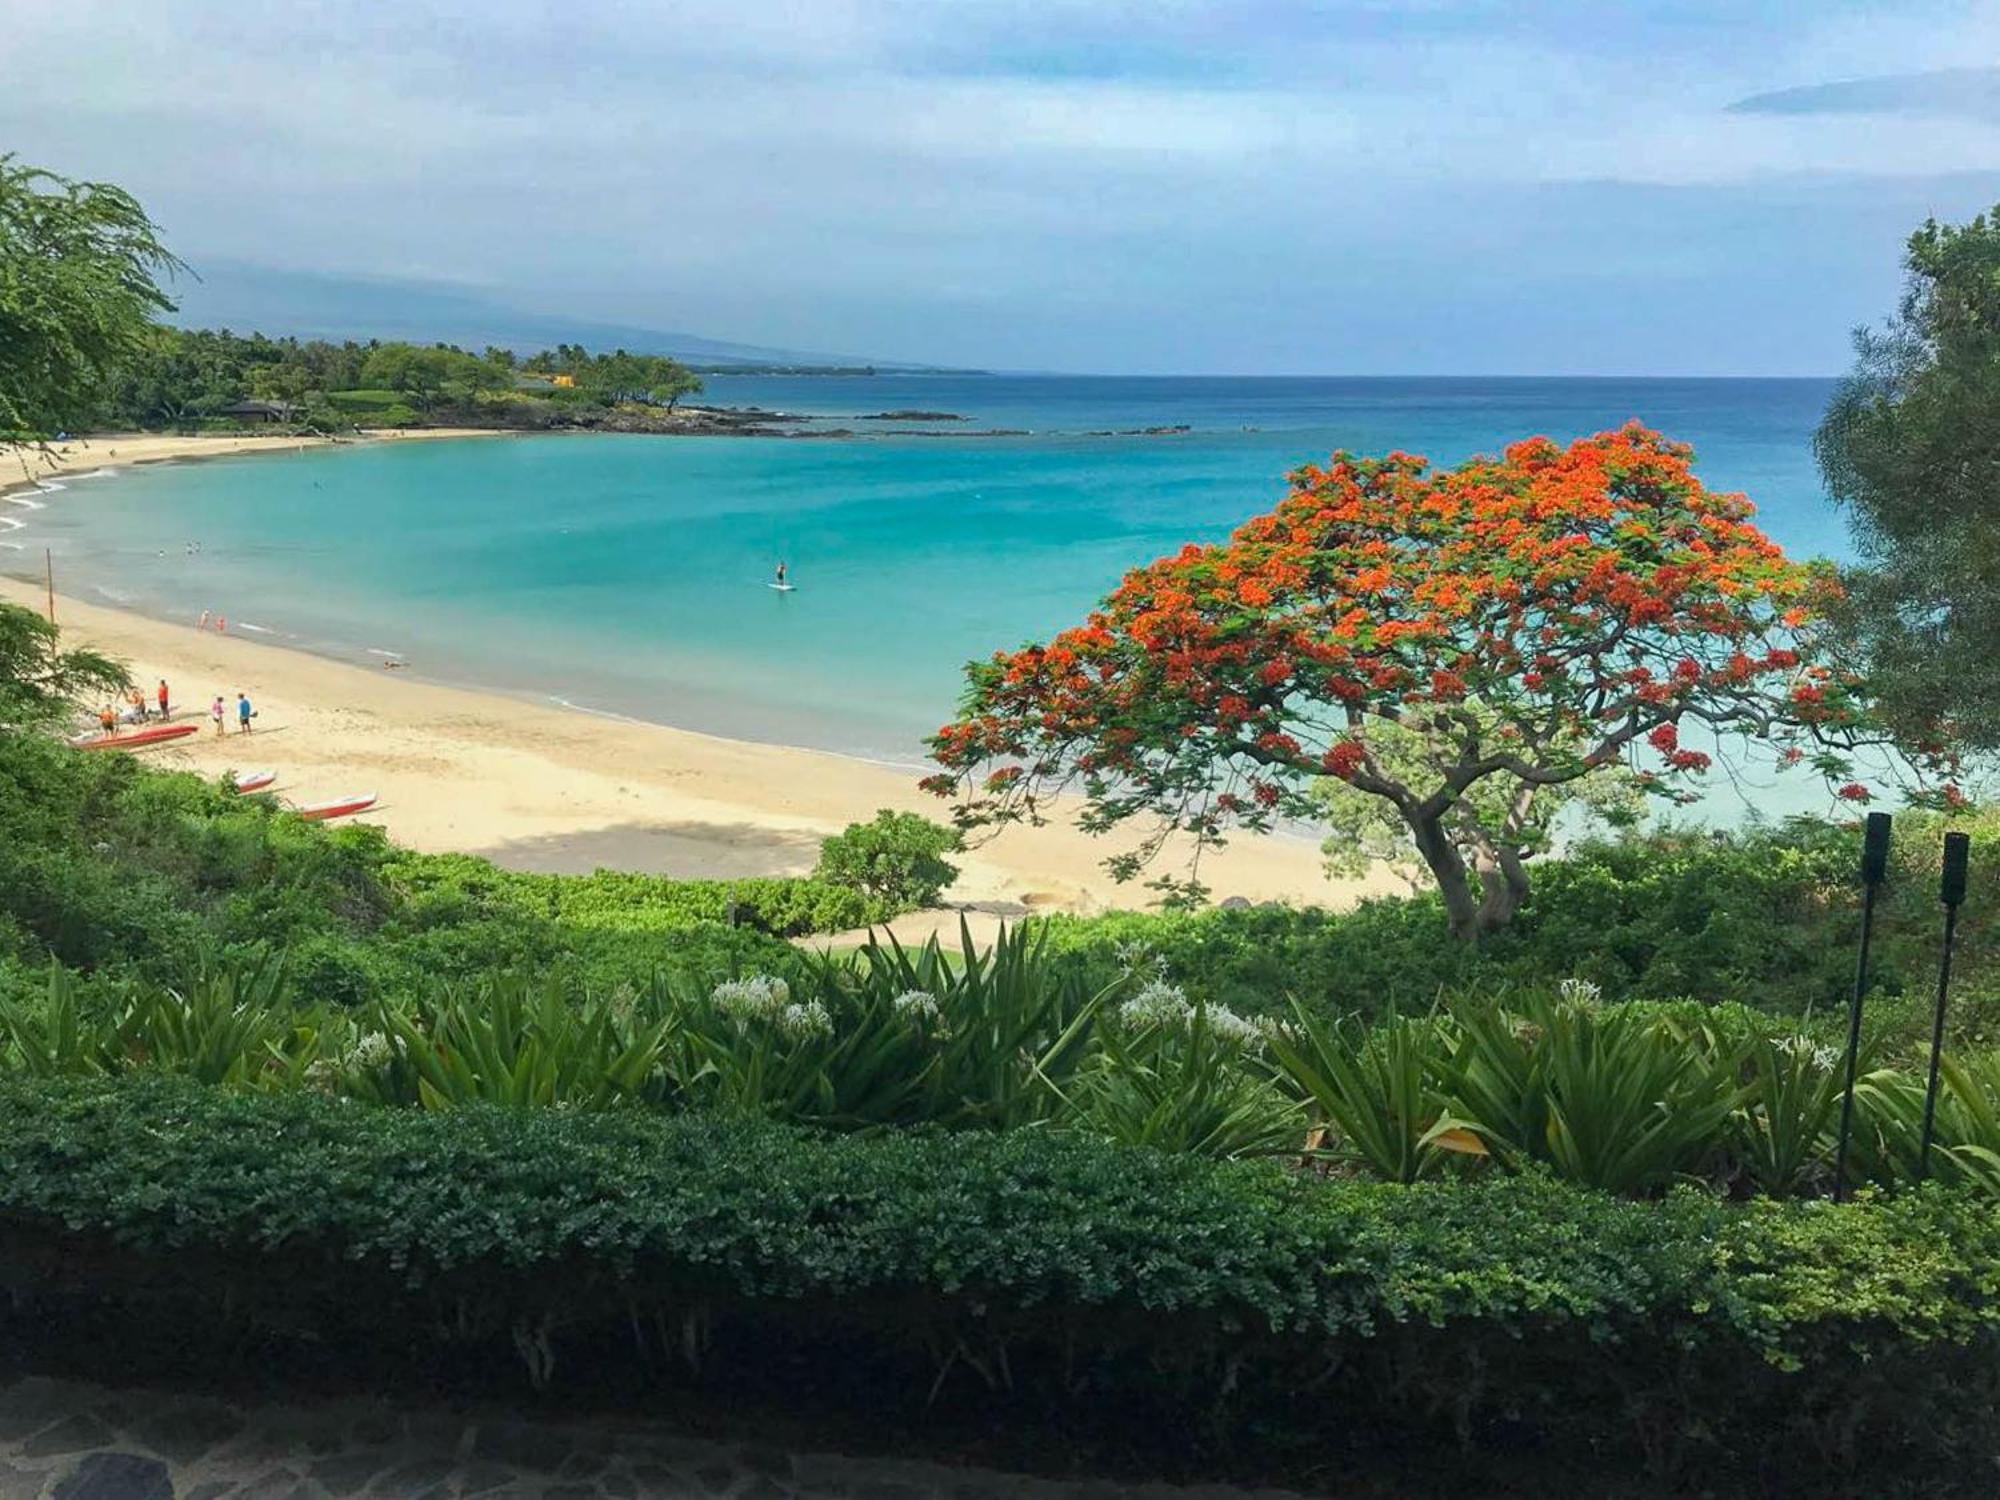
(627, 574)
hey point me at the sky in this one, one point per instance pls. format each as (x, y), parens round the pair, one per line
(1167, 186)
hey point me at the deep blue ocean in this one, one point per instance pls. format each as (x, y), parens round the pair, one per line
(627, 574)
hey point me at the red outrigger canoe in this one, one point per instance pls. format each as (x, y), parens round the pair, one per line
(340, 807)
(137, 738)
(253, 781)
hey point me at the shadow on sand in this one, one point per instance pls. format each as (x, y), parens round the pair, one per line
(688, 851)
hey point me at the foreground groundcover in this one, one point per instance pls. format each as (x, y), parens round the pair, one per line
(1209, 1310)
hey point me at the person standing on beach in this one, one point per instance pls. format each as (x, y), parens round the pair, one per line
(163, 700)
(244, 713)
(215, 713)
(107, 720)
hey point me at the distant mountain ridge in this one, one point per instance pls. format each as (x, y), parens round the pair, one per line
(313, 304)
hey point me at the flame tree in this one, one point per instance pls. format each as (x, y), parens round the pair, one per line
(1467, 646)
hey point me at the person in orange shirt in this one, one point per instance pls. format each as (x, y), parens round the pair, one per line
(163, 700)
(107, 719)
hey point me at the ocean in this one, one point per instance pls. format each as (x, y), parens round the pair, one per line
(628, 574)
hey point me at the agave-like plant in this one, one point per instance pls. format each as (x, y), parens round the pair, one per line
(513, 1041)
(53, 1038)
(1617, 1098)
(1373, 1092)
(1012, 1029)
(1183, 1083)
(1966, 1146)
(1786, 1112)
(231, 1026)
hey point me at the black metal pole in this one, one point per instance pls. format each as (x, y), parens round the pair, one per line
(1874, 869)
(1951, 891)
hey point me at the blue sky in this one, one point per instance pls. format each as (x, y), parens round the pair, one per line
(1424, 186)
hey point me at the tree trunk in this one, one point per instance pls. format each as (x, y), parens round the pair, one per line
(1479, 898)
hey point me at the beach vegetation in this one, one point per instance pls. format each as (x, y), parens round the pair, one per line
(1186, 1166)
(1626, 1097)
(195, 379)
(1469, 649)
(1767, 916)
(1910, 448)
(41, 682)
(897, 859)
(81, 267)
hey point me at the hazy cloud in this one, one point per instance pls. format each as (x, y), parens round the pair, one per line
(1967, 93)
(1081, 184)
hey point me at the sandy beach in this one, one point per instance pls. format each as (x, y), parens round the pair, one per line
(538, 787)
(23, 468)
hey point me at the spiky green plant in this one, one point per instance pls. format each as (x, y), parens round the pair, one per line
(1617, 1098)
(517, 1042)
(1786, 1112)
(1966, 1147)
(1185, 1085)
(1373, 1089)
(51, 1037)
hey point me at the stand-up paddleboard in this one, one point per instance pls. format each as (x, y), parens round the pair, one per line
(253, 781)
(340, 807)
(783, 588)
(135, 739)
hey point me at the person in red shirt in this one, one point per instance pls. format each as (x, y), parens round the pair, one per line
(163, 700)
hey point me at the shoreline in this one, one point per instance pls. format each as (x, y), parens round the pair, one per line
(28, 468)
(535, 787)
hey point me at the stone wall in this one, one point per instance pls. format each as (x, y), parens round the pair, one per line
(67, 1441)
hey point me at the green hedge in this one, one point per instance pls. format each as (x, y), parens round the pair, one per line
(633, 902)
(1217, 1305)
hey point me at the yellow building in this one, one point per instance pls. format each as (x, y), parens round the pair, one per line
(565, 381)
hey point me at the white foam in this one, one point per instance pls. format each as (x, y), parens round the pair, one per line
(13, 546)
(25, 503)
(99, 474)
(261, 630)
(600, 713)
(49, 487)
(13, 525)
(377, 651)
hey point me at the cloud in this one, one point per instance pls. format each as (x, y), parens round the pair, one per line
(1058, 183)
(1964, 93)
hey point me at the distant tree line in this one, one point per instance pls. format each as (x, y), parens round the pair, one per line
(178, 377)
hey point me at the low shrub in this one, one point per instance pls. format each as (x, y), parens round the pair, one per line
(1768, 916)
(116, 868)
(897, 860)
(464, 885)
(1213, 1306)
